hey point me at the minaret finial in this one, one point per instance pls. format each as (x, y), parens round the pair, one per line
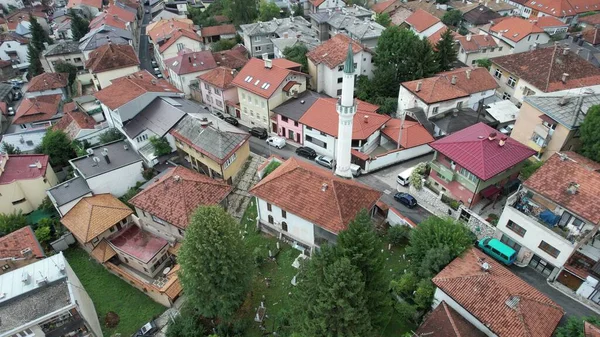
(349, 65)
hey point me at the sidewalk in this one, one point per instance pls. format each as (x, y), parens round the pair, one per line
(568, 292)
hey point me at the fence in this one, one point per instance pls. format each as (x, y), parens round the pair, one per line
(475, 223)
(394, 157)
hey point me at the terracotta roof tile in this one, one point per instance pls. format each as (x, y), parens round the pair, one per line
(590, 19)
(475, 43)
(516, 29)
(178, 193)
(420, 20)
(552, 179)
(262, 81)
(472, 80)
(92, 216)
(217, 30)
(234, 58)
(48, 81)
(317, 3)
(503, 302)
(413, 133)
(110, 57)
(73, 121)
(590, 330)
(380, 7)
(162, 29)
(333, 52)
(12, 36)
(470, 148)
(549, 21)
(544, 67)
(36, 109)
(437, 36)
(435, 89)
(444, 321)
(187, 62)
(103, 252)
(12, 244)
(91, 3)
(331, 209)
(220, 77)
(23, 167)
(176, 36)
(323, 116)
(560, 8)
(591, 35)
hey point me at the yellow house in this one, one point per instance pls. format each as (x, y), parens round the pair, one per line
(24, 180)
(212, 146)
(549, 124)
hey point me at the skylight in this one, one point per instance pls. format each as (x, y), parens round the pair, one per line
(257, 82)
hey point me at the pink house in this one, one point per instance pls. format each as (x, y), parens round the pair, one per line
(287, 115)
(217, 90)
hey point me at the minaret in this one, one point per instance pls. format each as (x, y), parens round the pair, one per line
(346, 108)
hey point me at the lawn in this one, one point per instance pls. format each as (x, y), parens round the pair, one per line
(276, 296)
(110, 293)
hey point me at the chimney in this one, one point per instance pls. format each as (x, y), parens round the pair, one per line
(324, 187)
(565, 51)
(578, 50)
(38, 164)
(469, 36)
(105, 155)
(573, 188)
(419, 85)
(492, 136)
(502, 141)
(453, 80)
(468, 72)
(366, 119)
(268, 63)
(27, 253)
(565, 77)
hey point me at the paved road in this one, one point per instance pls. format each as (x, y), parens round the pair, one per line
(144, 54)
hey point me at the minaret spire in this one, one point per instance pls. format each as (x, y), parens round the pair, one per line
(346, 108)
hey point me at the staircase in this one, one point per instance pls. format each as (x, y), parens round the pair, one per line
(239, 198)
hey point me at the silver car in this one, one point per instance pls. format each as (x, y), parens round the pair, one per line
(324, 161)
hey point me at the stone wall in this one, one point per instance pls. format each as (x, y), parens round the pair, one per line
(432, 202)
(475, 223)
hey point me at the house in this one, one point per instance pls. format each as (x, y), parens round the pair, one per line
(20, 18)
(166, 205)
(213, 34)
(479, 16)
(169, 37)
(474, 163)
(102, 36)
(473, 47)
(493, 299)
(46, 298)
(18, 249)
(551, 25)
(550, 124)
(321, 5)
(90, 106)
(235, 58)
(549, 70)
(111, 61)
(289, 114)
(62, 29)
(7, 71)
(13, 47)
(48, 84)
(519, 34)
(62, 52)
(564, 10)
(90, 8)
(280, 44)
(67, 194)
(38, 112)
(386, 6)
(107, 163)
(265, 84)
(423, 23)
(26, 140)
(257, 36)
(211, 146)
(117, 17)
(24, 179)
(317, 210)
(78, 125)
(551, 221)
(326, 64)
(353, 21)
(187, 66)
(444, 321)
(218, 91)
(591, 36)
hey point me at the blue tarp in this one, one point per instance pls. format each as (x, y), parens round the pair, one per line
(549, 217)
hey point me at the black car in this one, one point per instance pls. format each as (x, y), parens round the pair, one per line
(218, 114)
(406, 199)
(306, 152)
(259, 132)
(231, 120)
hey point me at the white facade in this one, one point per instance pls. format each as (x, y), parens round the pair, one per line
(329, 81)
(525, 44)
(297, 227)
(321, 142)
(474, 99)
(117, 182)
(182, 82)
(429, 31)
(14, 47)
(407, 100)
(104, 79)
(182, 42)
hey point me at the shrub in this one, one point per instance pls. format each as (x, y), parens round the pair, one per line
(450, 202)
(148, 173)
(258, 256)
(270, 168)
(398, 234)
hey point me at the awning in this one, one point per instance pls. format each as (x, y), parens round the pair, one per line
(490, 191)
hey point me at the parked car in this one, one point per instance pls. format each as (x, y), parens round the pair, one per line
(259, 132)
(406, 199)
(306, 152)
(159, 75)
(507, 129)
(147, 330)
(278, 142)
(356, 170)
(157, 70)
(154, 64)
(498, 250)
(324, 161)
(231, 120)
(218, 114)
(11, 111)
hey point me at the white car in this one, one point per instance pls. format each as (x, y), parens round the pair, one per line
(507, 129)
(278, 142)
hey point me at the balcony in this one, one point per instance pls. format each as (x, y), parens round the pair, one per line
(443, 171)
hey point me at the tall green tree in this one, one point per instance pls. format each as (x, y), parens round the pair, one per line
(267, 10)
(331, 298)
(484, 63)
(452, 17)
(297, 54)
(383, 19)
(35, 64)
(38, 34)
(423, 60)
(64, 67)
(10, 222)
(590, 137)
(360, 244)
(574, 326)
(446, 51)
(241, 11)
(214, 263)
(79, 25)
(298, 10)
(57, 145)
(223, 44)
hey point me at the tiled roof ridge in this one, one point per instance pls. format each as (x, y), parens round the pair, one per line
(551, 67)
(450, 319)
(337, 200)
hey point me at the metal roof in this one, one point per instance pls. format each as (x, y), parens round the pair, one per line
(159, 117)
(69, 190)
(295, 108)
(567, 110)
(120, 153)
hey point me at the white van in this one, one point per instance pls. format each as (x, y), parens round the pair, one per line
(404, 176)
(355, 169)
(278, 142)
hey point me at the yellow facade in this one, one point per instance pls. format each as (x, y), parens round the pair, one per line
(227, 172)
(26, 195)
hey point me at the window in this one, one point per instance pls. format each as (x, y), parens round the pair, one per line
(459, 105)
(339, 92)
(340, 80)
(141, 138)
(283, 214)
(207, 87)
(511, 82)
(77, 59)
(219, 103)
(500, 49)
(16, 202)
(295, 123)
(435, 110)
(462, 51)
(181, 232)
(229, 161)
(255, 101)
(520, 231)
(567, 217)
(284, 226)
(217, 91)
(258, 48)
(549, 249)
(483, 51)
(284, 119)
(126, 260)
(308, 128)
(270, 219)
(23, 126)
(468, 175)
(492, 50)
(506, 96)
(510, 242)
(498, 74)
(95, 241)
(269, 208)
(243, 97)
(262, 104)
(257, 38)
(180, 46)
(159, 221)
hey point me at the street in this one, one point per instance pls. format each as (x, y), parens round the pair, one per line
(143, 53)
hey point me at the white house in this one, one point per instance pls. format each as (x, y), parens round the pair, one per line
(111, 61)
(473, 47)
(48, 84)
(520, 34)
(187, 66)
(423, 23)
(169, 37)
(14, 48)
(321, 5)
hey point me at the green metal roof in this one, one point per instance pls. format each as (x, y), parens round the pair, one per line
(349, 64)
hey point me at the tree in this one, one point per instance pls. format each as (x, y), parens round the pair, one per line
(446, 51)
(38, 34)
(57, 145)
(383, 19)
(590, 137)
(484, 63)
(360, 244)
(214, 263)
(529, 168)
(33, 56)
(240, 11)
(328, 282)
(63, 67)
(297, 53)
(452, 17)
(224, 44)
(267, 10)
(298, 10)
(574, 326)
(10, 222)
(161, 146)
(423, 60)
(10, 149)
(42, 234)
(110, 135)
(79, 25)
(185, 325)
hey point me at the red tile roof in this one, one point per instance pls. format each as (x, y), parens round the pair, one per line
(413, 133)
(504, 303)
(437, 36)
(380, 7)
(138, 243)
(162, 29)
(187, 62)
(516, 29)
(115, 17)
(420, 20)
(255, 77)
(590, 330)
(220, 77)
(110, 57)
(91, 3)
(36, 109)
(552, 179)
(17, 16)
(444, 321)
(333, 52)
(127, 88)
(4, 108)
(12, 245)
(476, 43)
(217, 30)
(548, 21)
(316, 3)
(435, 89)
(48, 81)
(590, 19)
(560, 8)
(176, 36)
(318, 195)
(233, 58)
(544, 68)
(323, 116)
(591, 35)
(12, 36)
(470, 148)
(472, 80)
(176, 195)
(23, 167)
(286, 64)
(73, 121)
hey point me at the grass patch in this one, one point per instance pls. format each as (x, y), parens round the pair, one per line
(110, 293)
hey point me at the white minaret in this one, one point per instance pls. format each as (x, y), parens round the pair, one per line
(346, 108)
